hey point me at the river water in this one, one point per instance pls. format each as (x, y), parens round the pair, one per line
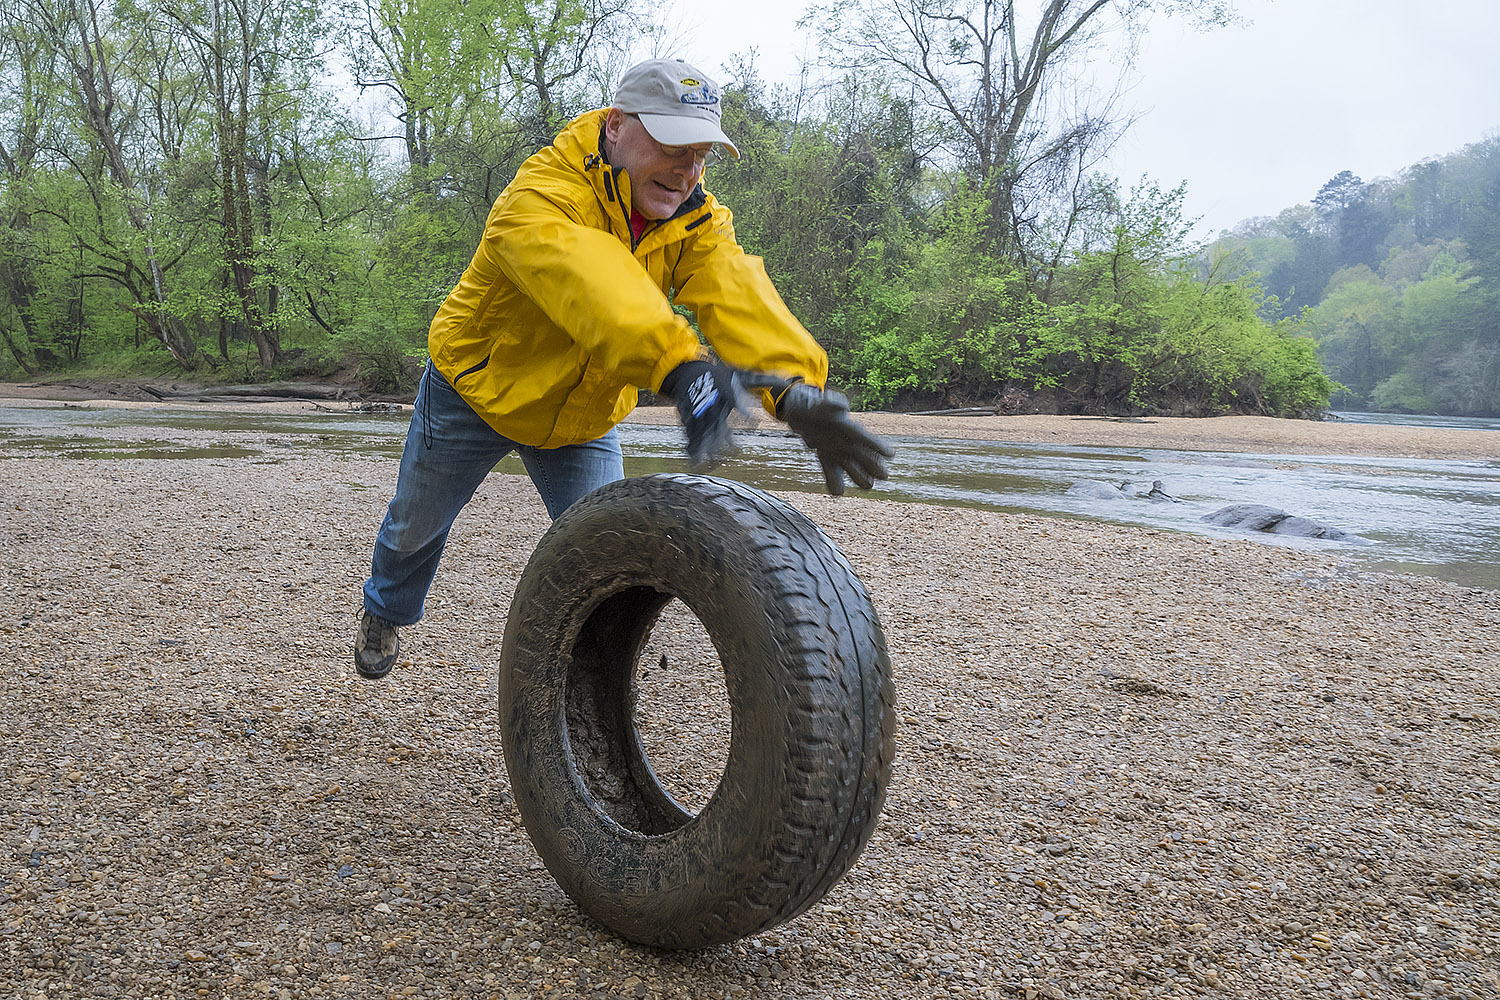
(1438, 518)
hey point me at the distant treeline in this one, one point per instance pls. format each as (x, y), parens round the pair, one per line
(1397, 280)
(180, 188)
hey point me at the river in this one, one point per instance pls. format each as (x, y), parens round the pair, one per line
(1432, 517)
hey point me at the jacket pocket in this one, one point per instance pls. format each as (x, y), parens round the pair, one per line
(471, 371)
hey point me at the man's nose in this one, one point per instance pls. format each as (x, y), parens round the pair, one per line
(688, 166)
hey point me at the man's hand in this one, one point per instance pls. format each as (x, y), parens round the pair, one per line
(822, 420)
(705, 396)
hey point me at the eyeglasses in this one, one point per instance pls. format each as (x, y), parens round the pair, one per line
(703, 156)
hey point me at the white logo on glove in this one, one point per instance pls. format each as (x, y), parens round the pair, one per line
(702, 393)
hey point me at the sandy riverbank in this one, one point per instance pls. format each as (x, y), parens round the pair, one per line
(1130, 763)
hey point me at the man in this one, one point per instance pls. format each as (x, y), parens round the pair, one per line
(564, 313)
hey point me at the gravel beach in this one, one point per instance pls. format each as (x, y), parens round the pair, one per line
(1130, 762)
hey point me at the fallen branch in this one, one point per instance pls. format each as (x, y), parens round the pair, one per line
(967, 411)
(270, 390)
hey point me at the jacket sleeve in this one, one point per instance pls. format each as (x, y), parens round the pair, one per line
(587, 282)
(738, 308)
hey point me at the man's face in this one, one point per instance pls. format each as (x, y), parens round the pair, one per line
(661, 177)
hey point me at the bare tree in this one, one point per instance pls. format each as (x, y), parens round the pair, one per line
(240, 46)
(73, 28)
(560, 54)
(436, 60)
(27, 64)
(999, 83)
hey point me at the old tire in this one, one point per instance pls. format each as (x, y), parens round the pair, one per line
(809, 691)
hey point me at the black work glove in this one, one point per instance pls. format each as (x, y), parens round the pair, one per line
(705, 395)
(823, 422)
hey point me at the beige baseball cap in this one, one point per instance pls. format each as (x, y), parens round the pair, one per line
(678, 104)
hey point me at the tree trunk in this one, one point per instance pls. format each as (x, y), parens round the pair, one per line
(231, 99)
(21, 289)
(96, 91)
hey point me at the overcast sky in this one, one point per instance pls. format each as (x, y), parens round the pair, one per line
(1255, 117)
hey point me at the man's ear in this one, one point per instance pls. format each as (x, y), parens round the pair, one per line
(613, 124)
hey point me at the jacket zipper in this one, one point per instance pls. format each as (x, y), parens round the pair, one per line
(615, 196)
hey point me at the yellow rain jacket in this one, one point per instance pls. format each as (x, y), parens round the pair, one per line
(559, 318)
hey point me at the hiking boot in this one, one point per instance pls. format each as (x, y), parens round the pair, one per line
(376, 647)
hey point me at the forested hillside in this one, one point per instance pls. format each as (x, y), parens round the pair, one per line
(252, 190)
(1397, 280)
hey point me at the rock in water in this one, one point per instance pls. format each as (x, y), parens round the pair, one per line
(1093, 489)
(1259, 517)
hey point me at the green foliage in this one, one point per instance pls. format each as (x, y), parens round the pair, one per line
(384, 370)
(1401, 280)
(250, 226)
(825, 200)
(950, 330)
(1280, 375)
(1420, 348)
(1403, 392)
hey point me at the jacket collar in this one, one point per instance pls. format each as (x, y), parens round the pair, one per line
(582, 141)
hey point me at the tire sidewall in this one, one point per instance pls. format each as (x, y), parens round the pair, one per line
(642, 885)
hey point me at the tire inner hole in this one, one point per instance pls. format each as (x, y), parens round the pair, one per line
(682, 711)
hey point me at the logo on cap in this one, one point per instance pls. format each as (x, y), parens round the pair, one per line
(701, 94)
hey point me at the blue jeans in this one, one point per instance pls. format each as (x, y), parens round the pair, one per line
(449, 450)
